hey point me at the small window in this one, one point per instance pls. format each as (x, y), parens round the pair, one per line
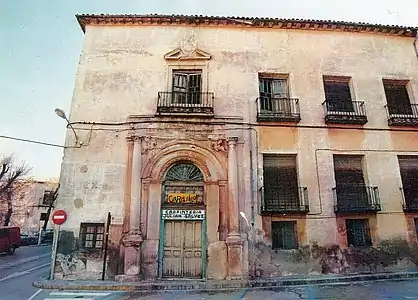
(358, 232)
(284, 235)
(397, 97)
(187, 86)
(337, 94)
(48, 198)
(43, 216)
(92, 235)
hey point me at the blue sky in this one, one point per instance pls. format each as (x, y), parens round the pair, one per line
(40, 44)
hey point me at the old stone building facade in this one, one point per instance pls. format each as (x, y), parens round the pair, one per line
(236, 147)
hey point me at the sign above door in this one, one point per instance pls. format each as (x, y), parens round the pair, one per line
(177, 214)
(183, 198)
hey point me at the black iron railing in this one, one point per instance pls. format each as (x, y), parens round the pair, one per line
(352, 198)
(345, 112)
(278, 199)
(278, 109)
(409, 202)
(200, 103)
(402, 115)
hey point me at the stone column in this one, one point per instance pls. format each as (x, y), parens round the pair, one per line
(234, 241)
(133, 239)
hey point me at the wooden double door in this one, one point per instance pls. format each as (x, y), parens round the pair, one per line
(182, 254)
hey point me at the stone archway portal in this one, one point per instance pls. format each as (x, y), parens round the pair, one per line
(183, 222)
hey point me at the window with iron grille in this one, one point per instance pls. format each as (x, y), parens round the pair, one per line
(397, 97)
(337, 94)
(92, 235)
(284, 235)
(358, 232)
(187, 86)
(349, 181)
(408, 166)
(281, 190)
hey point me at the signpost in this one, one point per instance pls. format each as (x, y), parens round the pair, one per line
(58, 218)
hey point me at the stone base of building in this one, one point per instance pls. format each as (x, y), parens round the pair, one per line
(127, 278)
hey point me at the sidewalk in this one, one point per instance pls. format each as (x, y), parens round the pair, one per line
(216, 285)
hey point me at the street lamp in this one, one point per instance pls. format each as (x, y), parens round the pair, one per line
(60, 113)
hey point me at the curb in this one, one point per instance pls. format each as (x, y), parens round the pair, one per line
(214, 285)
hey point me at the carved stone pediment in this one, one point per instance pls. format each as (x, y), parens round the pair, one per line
(182, 54)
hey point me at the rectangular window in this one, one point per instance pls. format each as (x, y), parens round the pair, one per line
(408, 166)
(48, 198)
(281, 190)
(187, 86)
(43, 217)
(274, 93)
(348, 170)
(284, 235)
(358, 232)
(397, 97)
(349, 180)
(337, 94)
(92, 235)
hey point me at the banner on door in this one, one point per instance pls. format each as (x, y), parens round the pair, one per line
(178, 214)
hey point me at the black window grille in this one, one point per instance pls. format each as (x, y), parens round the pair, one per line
(358, 232)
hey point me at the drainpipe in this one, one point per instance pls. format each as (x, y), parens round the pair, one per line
(252, 177)
(415, 42)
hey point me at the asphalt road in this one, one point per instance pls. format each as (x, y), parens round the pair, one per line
(383, 290)
(17, 272)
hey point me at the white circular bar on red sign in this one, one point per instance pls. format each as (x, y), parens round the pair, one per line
(59, 217)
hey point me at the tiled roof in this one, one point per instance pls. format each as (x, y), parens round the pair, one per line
(196, 20)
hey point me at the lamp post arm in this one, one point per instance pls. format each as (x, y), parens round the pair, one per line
(72, 128)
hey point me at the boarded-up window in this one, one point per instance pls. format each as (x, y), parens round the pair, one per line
(408, 166)
(284, 235)
(187, 86)
(397, 98)
(358, 232)
(280, 181)
(338, 95)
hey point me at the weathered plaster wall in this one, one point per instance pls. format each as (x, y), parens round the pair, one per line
(122, 69)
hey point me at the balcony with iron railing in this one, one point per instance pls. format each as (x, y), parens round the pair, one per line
(278, 109)
(409, 200)
(402, 115)
(344, 112)
(281, 200)
(185, 104)
(352, 198)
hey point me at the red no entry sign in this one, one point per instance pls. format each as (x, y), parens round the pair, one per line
(59, 217)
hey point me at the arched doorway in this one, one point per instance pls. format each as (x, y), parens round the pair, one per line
(183, 223)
